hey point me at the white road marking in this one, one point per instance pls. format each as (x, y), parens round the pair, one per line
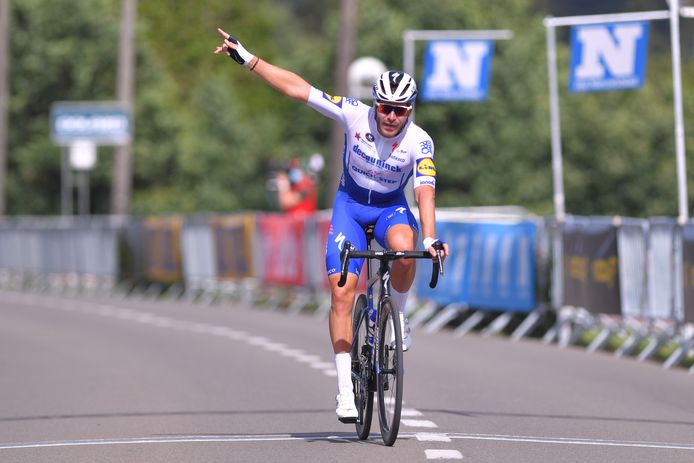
(437, 454)
(573, 441)
(419, 423)
(274, 347)
(308, 358)
(432, 437)
(410, 412)
(292, 353)
(164, 440)
(289, 437)
(257, 341)
(322, 365)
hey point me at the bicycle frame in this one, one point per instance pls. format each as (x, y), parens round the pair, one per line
(368, 347)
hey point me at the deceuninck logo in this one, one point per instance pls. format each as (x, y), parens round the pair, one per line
(457, 70)
(609, 56)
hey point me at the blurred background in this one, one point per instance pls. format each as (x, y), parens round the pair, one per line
(207, 131)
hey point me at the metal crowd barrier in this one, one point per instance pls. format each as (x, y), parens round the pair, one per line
(622, 277)
(61, 252)
(645, 307)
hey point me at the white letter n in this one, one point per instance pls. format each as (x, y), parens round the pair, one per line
(618, 54)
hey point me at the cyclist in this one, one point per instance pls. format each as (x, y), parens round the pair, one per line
(382, 150)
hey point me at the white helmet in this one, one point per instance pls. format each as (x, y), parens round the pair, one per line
(395, 87)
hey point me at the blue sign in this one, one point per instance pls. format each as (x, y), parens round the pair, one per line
(457, 70)
(608, 56)
(105, 123)
(491, 266)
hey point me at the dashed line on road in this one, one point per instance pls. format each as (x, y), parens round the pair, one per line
(439, 454)
(410, 412)
(419, 423)
(432, 437)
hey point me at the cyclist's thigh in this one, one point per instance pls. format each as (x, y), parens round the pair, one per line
(346, 224)
(396, 214)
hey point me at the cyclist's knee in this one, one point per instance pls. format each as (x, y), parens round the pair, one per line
(342, 298)
(401, 238)
(403, 266)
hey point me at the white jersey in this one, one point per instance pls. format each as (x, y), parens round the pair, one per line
(375, 169)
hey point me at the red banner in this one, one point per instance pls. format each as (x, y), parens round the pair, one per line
(282, 243)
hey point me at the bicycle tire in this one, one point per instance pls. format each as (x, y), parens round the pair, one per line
(362, 369)
(389, 381)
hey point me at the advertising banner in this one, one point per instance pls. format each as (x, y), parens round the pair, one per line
(491, 266)
(457, 70)
(281, 239)
(163, 249)
(232, 236)
(608, 57)
(591, 273)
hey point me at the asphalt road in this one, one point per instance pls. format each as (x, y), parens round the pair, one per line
(120, 380)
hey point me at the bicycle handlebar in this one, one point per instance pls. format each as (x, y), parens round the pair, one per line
(349, 252)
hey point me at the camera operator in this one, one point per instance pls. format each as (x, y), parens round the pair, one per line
(296, 190)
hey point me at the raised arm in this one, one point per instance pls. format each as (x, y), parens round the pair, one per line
(286, 82)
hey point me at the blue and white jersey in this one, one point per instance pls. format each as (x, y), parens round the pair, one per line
(375, 169)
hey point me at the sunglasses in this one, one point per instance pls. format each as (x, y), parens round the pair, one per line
(386, 109)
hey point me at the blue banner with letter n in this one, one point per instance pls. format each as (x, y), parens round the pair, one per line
(457, 70)
(608, 56)
(491, 266)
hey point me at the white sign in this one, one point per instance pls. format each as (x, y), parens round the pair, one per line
(83, 154)
(104, 123)
(608, 56)
(457, 70)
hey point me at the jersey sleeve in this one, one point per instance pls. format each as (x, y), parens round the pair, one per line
(328, 105)
(424, 167)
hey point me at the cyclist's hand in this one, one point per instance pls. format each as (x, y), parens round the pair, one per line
(433, 245)
(233, 48)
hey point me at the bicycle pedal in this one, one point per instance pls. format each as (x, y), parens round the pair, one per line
(348, 420)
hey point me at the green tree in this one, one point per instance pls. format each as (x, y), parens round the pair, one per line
(206, 129)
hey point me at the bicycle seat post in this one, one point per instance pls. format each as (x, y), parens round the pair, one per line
(369, 231)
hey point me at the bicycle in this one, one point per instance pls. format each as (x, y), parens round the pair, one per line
(377, 355)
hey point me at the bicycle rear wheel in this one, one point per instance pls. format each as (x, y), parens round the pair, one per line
(362, 368)
(390, 372)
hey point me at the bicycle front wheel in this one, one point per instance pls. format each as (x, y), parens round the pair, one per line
(362, 362)
(390, 372)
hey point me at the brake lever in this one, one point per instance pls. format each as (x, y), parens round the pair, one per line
(439, 253)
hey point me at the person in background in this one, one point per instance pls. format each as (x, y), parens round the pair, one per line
(296, 190)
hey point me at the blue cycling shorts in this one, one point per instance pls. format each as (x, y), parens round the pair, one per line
(349, 220)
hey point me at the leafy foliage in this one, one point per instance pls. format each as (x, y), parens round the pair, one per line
(207, 129)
